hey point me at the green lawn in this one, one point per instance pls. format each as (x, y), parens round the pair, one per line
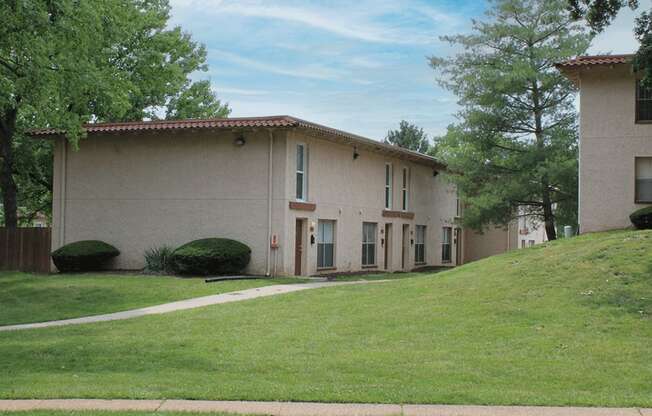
(103, 413)
(565, 323)
(28, 297)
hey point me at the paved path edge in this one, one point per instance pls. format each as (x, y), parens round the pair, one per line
(192, 303)
(310, 409)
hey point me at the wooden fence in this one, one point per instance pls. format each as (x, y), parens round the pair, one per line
(25, 249)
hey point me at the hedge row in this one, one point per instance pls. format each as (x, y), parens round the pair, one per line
(208, 256)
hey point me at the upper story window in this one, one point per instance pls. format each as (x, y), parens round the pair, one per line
(643, 103)
(302, 177)
(389, 175)
(643, 184)
(458, 204)
(405, 186)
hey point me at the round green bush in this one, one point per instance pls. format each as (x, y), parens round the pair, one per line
(210, 256)
(642, 218)
(83, 256)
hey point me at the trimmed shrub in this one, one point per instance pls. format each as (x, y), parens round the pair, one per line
(210, 256)
(157, 259)
(642, 218)
(83, 256)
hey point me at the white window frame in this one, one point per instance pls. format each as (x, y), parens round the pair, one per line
(370, 244)
(405, 188)
(420, 240)
(447, 232)
(303, 172)
(389, 179)
(321, 244)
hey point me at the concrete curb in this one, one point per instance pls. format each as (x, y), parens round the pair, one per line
(311, 409)
(192, 303)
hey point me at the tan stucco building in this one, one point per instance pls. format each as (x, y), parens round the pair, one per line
(306, 198)
(615, 140)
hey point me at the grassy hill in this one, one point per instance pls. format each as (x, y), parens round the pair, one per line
(564, 323)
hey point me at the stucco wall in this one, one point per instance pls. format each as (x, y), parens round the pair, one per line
(137, 191)
(351, 191)
(609, 141)
(492, 241)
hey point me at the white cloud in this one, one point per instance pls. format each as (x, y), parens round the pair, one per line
(238, 91)
(310, 71)
(365, 62)
(358, 20)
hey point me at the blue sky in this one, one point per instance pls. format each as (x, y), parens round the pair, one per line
(358, 66)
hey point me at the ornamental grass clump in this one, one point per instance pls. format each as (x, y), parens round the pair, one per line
(157, 260)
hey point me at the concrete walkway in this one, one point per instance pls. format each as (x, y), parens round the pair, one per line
(228, 297)
(311, 409)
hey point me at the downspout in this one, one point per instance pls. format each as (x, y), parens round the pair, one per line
(579, 159)
(62, 193)
(269, 203)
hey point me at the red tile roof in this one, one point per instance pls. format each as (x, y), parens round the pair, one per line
(595, 60)
(216, 123)
(249, 123)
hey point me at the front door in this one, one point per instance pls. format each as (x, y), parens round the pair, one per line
(298, 247)
(388, 246)
(458, 246)
(405, 253)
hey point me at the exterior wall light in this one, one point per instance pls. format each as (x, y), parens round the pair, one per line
(239, 141)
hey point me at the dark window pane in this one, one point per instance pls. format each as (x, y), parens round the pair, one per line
(644, 190)
(643, 102)
(300, 157)
(328, 255)
(299, 185)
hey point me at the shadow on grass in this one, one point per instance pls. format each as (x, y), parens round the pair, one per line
(628, 291)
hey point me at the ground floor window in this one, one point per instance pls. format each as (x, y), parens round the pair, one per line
(368, 243)
(420, 244)
(531, 243)
(446, 244)
(325, 244)
(643, 179)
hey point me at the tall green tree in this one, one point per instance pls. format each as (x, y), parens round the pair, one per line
(600, 13)
(196, 101)
(516, 143)
(66, 62)
(409, 136)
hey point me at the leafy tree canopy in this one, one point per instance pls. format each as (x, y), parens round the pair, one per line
(196, 101)
(516, 142)
(409, 136)
(66, 62)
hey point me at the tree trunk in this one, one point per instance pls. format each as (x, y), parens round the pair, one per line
(7, 182)
(548, 216)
